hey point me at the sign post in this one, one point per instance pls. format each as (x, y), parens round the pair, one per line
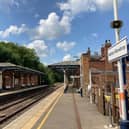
(119, 63)
(116, 24)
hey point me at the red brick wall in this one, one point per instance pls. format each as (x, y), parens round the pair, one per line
(97, 64)
(7, 79)
(85, 69)
(34, 79)
(103, 65)
(20, 79)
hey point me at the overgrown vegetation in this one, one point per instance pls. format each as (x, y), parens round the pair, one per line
(20, 55)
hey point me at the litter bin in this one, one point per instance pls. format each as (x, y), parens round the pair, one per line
(124, 124)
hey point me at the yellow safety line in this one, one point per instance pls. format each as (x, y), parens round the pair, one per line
(48, 113)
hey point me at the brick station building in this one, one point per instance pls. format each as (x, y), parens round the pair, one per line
(95, 63)
(102, 71)
(15, 76)
(104, 79)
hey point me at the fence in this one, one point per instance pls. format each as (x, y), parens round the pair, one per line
(104, 102)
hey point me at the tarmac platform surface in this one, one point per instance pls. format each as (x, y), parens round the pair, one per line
(64, 115)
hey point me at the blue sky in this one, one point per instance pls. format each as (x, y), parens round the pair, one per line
(60, 29)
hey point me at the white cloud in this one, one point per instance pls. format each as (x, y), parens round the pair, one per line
(105, 4)
(67, 57)
(95, 35)
(6, 5)
(79, 6)
(9, 3)
(40, 47)
(52, 27)
(5, 41)
(36, 15)
(13, 30)
(66, 46)
(79, 54)
(52, 51)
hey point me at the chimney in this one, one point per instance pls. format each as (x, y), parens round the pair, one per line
(88, 51)
(107, 45)
(102, 51)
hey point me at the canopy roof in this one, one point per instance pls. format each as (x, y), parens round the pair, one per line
(66, 65)
(10, 66)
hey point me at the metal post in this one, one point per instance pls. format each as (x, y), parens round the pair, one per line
(64, 79)
(81, 75)
(1, 80)
(13, 81)
(120, 71)
(90, 88)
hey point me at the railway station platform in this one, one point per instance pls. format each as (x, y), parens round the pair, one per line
(61, 111)
(24, 89)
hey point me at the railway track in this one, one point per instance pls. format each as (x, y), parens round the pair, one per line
(14, 107)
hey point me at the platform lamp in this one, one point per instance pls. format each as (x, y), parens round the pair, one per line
(117, 24)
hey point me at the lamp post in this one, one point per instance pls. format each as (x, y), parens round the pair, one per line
(65, 83)
(117, 24)
(90, 85)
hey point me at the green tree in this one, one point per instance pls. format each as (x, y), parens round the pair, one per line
(20, 55)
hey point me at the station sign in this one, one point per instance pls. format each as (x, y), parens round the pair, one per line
(118, 51)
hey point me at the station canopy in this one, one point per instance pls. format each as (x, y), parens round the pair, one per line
(66, 65)
(12, 67)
